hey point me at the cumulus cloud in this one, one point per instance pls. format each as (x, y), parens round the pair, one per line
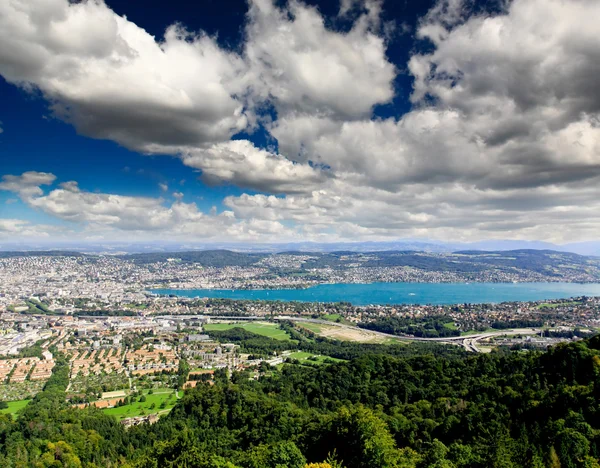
(14, 229)
(112, 214)
(301, 66)
(27, 184)
(184, 94)
(241, 163)
(116, 81)
(502, 140)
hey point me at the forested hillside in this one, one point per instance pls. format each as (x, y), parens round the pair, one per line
(425, 410)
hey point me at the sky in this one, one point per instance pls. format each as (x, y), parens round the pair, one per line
(279, 121)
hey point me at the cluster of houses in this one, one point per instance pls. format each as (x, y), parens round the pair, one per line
(151, 359)
(85, 362)
(19, 370)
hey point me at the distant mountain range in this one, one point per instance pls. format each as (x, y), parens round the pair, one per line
(591, 248)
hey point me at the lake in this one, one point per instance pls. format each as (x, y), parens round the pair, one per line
(404, 293)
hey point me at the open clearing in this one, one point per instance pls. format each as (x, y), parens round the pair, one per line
(343, 333)
(547, 305)
(337, 318)
(115, 394)
(477, 332)
(140, 408)
(270, 330)
(316, 358)
(14, 406)
(313, 327)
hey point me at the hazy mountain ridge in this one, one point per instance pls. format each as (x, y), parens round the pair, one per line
(582, 248)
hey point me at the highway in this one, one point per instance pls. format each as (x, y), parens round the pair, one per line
(469, 342)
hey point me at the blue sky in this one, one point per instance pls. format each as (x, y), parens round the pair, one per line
(100, 165)
(304, 120)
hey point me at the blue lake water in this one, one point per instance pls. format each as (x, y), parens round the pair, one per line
(404, 293)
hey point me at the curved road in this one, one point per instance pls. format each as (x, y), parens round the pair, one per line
(469, 342)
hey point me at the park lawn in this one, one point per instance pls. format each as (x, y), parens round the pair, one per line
(14, 406)
(270, 330)
(300, 355)
(136, 408)
(323, 359)
(303, 356)
(450, 326)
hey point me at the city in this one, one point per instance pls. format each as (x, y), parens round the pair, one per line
(62, 277)
(133, 353)
(299, 234)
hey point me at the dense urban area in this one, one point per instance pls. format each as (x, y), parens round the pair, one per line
(126, 277)
(122, 364)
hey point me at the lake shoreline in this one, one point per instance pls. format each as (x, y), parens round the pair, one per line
(361, 294)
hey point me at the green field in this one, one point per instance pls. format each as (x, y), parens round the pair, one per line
(547, 305)
(337, 318)
(303, 356)
(313, 327)
(270, 330)
(450, 326)
(14, 406)
(475, 332)
(137, 408)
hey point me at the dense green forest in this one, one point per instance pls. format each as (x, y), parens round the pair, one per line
(428, 327)
(424, 408)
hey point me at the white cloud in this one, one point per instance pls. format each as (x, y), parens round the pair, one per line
(541, 56)
(185, 94)
(241, 163)
(301, 66)
(502, 140)
(27, 184)
(116, 81)
(164, 187)
(14, 229)
(107, 215)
